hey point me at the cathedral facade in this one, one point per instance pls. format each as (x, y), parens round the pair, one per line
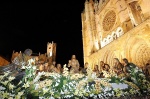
(116, 29)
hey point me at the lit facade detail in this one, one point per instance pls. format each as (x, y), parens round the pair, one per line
(116, 29)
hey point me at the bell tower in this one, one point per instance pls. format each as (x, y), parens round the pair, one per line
(51, 51)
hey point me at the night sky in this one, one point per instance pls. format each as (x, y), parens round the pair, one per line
(31, 25)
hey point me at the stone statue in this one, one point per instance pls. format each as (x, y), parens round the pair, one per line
(147, 68)
(22, 58)
(118, 67)
(74, 64)
(59, 68)
(15, 67)
(53, 69)
(107, 67)
(96, 70)
(127, 66)
(102, 65)
(17, 62)
(86, 65)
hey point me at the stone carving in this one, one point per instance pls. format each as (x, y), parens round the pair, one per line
(109, 20)
(129, 15)
(112, 37)
(22, 57)
(74, 64)
(17, 62)
(142, 55)
(119, 31)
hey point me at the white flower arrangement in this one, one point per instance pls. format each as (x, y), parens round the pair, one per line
(54, 85)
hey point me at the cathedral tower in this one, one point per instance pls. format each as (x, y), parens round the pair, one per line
(51, 51)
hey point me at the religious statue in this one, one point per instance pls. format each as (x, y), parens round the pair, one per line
(74, 64)
(96, 70)
(22, 58)
(59, 68)
(41, 67)
(46, 67)
(118, 67)
(84, 70)
(53, 69)
(16, 66)
(17, 62)
(127, 66)
(102, 65)
(147, 67)
(107, 67)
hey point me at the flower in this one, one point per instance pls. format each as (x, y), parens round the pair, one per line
(19, 82)
(11, 86)
(2, 88)
(1, 77)
(26, 85)
(5, 95)
(118, 92)
(48, 82)
(11, 78)
(6, 74)
(76, 76)
(45, 90)
(23, 67)
(65, 71)
(10, 98)
(5, 83)
(66, 85)
(18, 96)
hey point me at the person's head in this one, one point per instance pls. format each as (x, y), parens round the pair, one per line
(96, 67)
(101, 63)
(86, 65)
(69, 61)
(107, 67)
(52, 66)
(36, 58)
(54, 63)
(58, 65)
(28, 52)
(46, 64)
(116, 60)
(73, 56)
(125, 61)
(147, 64)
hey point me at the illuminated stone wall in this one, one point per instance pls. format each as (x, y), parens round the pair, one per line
(116, 29)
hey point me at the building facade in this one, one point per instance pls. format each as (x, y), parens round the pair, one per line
(116, 29)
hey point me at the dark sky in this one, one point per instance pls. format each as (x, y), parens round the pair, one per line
(31, 25)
